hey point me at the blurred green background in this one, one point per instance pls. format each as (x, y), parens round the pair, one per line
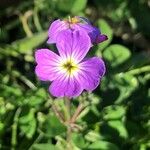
(117, 113)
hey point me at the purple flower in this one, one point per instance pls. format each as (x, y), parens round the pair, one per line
(76, 23)
(69, 72)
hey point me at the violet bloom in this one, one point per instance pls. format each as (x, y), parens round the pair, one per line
(69, 72)
(76, 23)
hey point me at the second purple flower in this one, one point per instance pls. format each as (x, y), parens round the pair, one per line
(75, 23)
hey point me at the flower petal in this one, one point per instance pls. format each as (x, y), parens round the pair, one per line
(47, 64)
(73, 43)
(65, 87)
(92, 31)
(92, 70)
(55, 28)
(101, 38)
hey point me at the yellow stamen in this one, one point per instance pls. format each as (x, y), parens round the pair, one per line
(75, 20)
(70, 67)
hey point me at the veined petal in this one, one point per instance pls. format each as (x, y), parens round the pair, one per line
(92, 31)
(55, 28)
(91, 72)
(73, 43)
(47, 65)
(65, 87)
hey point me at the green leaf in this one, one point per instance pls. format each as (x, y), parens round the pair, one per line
(65, 5)
(119, 87)
(11, 90)
(126, 83)
(113, 112)
(79, 140)
(105, 29)
(35, 101)
(102, 145)
(120, 127)
(73, 6)
(29, 128)
(43, 146)
(1, 127)
(24, 46)
(53, 126)
(27, 44)
(93, 136)
(38, 98)
(27, 117)
(78, 6)
(116, 54)
(27, 124)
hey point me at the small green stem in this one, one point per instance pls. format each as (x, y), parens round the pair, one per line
(77, 113)
(139, 70)
(69, 130)
(69, 18)
(68, 109)
(58, 113)
(24, 20)
(14, 129)
(40, 136)
(36, 20)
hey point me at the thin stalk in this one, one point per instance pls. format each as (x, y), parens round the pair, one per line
(69, 130)
(14, 129)
(77, 113)
(24, 20)
(36, 20)
(58, 113)
(69, 18)
(139, 70)
(40, 136)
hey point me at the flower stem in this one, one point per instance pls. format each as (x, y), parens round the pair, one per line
(58, 113)
(69, 18)
(77, 113)
(69, 131)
